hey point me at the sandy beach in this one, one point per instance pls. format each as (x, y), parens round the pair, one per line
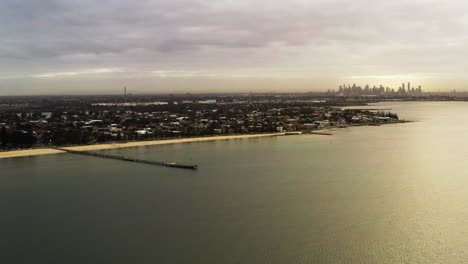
(46, 151)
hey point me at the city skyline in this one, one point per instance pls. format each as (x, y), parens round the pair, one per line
(84, 47)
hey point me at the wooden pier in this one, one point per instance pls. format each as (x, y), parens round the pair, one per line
(106, 156)
(321, 133)
(368, 109)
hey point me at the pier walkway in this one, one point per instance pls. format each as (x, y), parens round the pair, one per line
(106, 156)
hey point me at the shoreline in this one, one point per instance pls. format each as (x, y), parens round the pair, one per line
(49, 151)
(116, 145)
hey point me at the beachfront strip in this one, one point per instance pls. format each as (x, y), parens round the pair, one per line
(86, 123)
(48, 151)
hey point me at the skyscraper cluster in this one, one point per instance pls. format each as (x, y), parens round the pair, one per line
(355, 90)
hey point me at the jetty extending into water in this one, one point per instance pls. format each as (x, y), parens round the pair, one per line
(321, 133)
(368, 109)
(106, 156)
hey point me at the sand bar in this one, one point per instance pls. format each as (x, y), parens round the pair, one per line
(46, 151)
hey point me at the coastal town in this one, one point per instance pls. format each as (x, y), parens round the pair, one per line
(26, 122)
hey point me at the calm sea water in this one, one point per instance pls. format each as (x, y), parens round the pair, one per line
(388, 194)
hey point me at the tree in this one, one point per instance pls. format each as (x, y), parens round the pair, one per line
(3, 136)
(21, 138)
(59, 137)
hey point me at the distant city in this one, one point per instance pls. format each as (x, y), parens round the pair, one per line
(355, 90)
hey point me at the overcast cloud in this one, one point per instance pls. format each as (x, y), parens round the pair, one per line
(84, 46)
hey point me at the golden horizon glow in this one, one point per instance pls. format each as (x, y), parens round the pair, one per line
(62, 47)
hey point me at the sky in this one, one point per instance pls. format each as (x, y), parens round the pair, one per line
(178, 46)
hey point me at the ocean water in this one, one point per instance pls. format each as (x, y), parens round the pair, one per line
(389, 194)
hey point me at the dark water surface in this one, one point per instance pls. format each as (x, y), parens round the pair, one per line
(388, 194)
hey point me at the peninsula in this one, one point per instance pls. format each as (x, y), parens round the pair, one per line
(32, 126)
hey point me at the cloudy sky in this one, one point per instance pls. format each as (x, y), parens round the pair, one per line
(161, 46)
